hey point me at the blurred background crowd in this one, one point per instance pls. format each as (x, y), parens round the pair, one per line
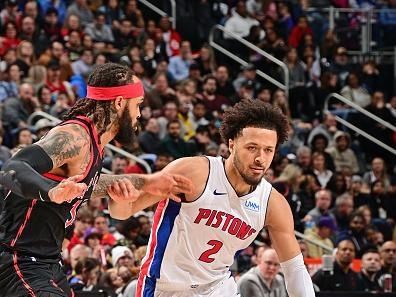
(341, 187)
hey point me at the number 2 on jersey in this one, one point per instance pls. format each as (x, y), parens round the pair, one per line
(205, 256)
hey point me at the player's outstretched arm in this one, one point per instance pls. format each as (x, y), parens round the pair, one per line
(281, 229)
(61, 146)
(130, 193)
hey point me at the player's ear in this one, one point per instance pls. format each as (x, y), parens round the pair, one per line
(119, 103)
(231, 145)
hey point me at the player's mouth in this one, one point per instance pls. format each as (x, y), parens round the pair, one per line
(257, 170)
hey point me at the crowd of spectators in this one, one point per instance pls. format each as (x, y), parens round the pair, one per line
(341, 188)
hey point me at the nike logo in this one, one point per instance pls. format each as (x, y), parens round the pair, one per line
(217, 193)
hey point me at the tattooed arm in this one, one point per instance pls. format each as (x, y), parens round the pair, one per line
(130, 193)
(60, 147)
(66, 145)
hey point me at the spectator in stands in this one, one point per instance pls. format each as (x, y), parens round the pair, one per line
(17, 110)
(388, 260)
(198, 115)
(322, 233)
(240, 21)
(30, 32)
(84, 65)
(248, 75)
(343, 156)
(323, 175)
(51, 26)
(369, 273)
(84, 220)
(213, 102)
(149, 139)
(319, 144)
(387, 20)
(130, 229)
(25, 57)
(113, 13)
(179, 65)
(170, 36)
(206, 60)
(342, 211)
(173, 143)
(72, 23)
(9, 38)
(341, 65)
(224, 85)
(10, 12)
(150, 58)
(118, 164)
(169, 114)
(78, 253)
(98, 30)
(298, 32)
(378, 172)
(304, 158)
(285, 20)
(10, 82)
(263, 279)
(87, 276)
(355, 92)
(101, 223)
(355, 232)
(42, 127)
(81, 9)
(359, 191)
(201, 142)
(322, 206)
(160, 94)
(328, 128)
(342, 278)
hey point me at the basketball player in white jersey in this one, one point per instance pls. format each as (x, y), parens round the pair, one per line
(193, 242)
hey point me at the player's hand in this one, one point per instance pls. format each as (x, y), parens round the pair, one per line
(123, 190)
(167, 185)
(67, 190)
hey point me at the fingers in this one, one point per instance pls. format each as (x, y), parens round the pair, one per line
(184, 185)
(75, 178)
(175, 198)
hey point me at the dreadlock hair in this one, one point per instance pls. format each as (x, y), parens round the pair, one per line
(106, 75)
(256, 114)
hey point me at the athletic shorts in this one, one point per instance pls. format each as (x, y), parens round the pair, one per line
(224, 288)
(22, 276)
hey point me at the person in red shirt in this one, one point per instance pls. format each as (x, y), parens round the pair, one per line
(101, 223)
(10, 39)
(297, 33)
(83, 221)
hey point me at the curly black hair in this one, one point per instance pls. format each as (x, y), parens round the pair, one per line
(253, 113)
(106, 75)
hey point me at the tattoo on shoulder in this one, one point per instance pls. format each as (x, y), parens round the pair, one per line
(63, 145)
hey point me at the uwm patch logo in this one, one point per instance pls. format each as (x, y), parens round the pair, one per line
(253, 206)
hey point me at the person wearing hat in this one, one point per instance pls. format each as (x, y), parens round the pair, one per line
(343, 156)
(42, 127)
(248, 74)
(92, 238)
(322, 233)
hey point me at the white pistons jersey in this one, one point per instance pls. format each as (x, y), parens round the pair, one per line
(194, 244)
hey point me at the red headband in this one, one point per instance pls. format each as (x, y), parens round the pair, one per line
(128, 91)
